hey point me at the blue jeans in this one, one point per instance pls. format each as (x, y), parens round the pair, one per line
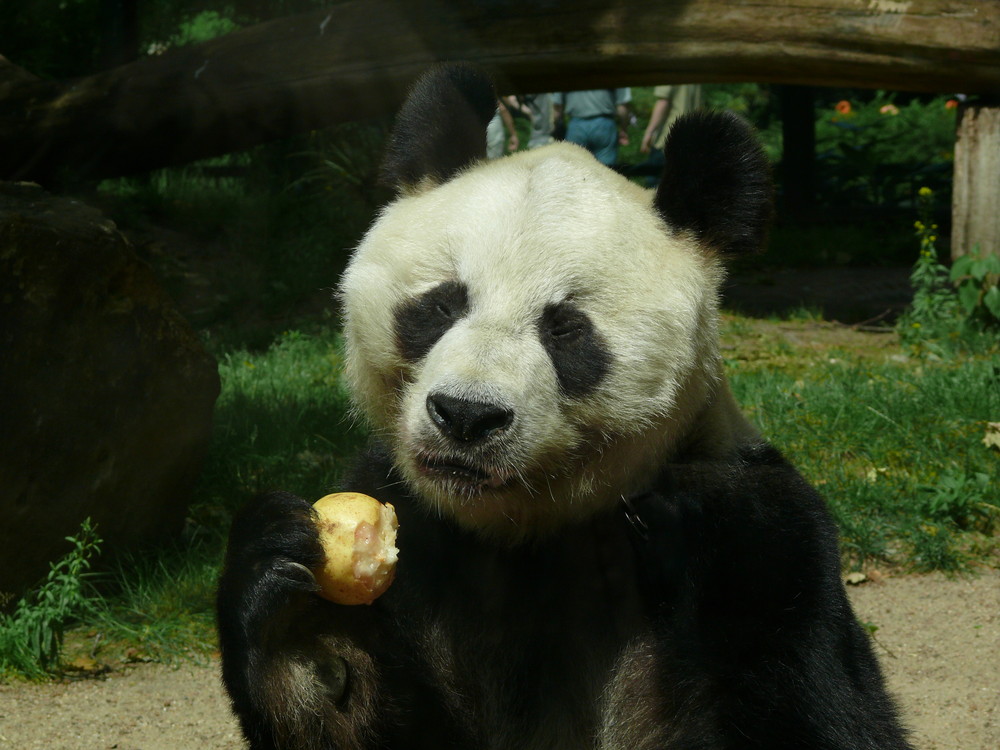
(599, 135)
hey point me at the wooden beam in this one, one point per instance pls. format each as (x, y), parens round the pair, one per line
(356, 59)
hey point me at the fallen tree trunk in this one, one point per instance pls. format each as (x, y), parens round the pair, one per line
(355, 60)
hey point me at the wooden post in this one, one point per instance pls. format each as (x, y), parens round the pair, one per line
(975, 208)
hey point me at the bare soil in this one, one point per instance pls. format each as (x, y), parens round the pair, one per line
(938, 640)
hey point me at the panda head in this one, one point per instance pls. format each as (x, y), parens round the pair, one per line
(534, 336)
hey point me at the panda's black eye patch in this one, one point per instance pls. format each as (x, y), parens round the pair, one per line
(421, 321)
(578, 353)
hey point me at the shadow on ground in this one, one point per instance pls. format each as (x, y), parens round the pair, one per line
(845, 295)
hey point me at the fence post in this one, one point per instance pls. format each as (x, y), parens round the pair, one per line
(975, 207)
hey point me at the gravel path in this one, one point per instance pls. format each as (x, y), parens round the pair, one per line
(938, 639)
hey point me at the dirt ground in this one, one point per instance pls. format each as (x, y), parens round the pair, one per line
(938, 640)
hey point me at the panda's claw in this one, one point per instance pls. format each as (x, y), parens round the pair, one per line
(637, 525)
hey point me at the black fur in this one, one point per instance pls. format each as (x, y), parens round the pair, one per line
(422, 321)
(441, 128)
(750, 595)
(578, 353)
(717, 182)
(734, 578)
(273, 545)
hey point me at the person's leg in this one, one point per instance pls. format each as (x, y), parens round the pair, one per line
(495, 137)
(604, 140)
(577, 132)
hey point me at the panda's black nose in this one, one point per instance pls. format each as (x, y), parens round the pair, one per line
(467, 421)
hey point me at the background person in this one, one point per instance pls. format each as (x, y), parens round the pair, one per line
(670, 103)
(596, 120)
(501, 128)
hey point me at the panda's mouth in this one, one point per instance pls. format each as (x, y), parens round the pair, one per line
(454, 470)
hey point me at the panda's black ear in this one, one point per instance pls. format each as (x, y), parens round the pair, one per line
(717, 182)
(441, 127)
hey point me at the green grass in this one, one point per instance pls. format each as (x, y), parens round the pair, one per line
(281, 422)
(896, 448)
(158, 603)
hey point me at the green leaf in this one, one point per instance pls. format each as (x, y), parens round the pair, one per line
(968, 295)
(961, 267)
(992, 301)
(978, 269)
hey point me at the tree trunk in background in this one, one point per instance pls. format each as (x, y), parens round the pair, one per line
(976, 190)
(798, 152)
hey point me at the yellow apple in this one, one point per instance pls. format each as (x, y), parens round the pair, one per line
(358, 535)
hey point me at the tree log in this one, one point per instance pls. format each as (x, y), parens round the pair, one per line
(356, 59)
(975, 218)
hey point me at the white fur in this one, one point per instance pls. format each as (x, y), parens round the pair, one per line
(522, 232)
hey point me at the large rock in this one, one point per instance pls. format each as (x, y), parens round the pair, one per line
(106, 394)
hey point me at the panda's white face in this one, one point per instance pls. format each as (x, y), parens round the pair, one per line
(530, 338)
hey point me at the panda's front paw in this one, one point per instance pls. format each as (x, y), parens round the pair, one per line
(273, 549)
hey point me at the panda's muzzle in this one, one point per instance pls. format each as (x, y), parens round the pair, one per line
(467, 432)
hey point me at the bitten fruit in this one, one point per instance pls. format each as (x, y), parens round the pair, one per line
(358, 535)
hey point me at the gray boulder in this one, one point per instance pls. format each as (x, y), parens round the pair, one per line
(106, 394)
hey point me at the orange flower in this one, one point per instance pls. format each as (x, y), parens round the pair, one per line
(951, 104)
(844, 107)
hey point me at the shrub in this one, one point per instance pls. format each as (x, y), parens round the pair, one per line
(877, 152)
(31, 637)
(977, 277)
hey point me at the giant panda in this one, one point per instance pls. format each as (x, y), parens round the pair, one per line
(597, 550)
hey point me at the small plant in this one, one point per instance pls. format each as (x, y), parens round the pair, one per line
(31, 637)
(960, 499)
(977, 277)
(934, 310)
(203, 26)
(934, 549)
(345, 156)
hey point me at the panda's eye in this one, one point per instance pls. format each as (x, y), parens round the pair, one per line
(421, 321)
(565, 329)
(563, 323)
(578, 352)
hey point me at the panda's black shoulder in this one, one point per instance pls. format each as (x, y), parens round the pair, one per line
(367, 465)
(755, 477)
(749, 532)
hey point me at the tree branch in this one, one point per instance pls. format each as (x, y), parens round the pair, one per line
(356, 59)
